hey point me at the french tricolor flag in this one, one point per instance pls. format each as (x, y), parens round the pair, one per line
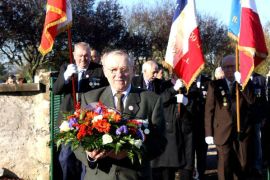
(250, 36)
(184, 52)
(252, 46)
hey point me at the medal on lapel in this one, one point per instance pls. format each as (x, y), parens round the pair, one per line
(94, 82)
(223, 94)
(225, 101)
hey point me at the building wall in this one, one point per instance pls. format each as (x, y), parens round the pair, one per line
(24, 133)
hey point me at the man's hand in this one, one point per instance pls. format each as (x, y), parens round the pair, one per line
(178, 84)
(99, 154)
(71, 69)
(209, 140)
(96, 154)
(182, 99)
(237, 77)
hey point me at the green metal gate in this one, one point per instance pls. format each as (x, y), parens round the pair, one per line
(55, 102)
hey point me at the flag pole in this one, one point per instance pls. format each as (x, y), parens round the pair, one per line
(237, 90)
(179, 104)
(71, 61)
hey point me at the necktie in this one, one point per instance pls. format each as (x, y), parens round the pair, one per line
(231, 87)
(80, 79)
(150, 86)
(120, 104)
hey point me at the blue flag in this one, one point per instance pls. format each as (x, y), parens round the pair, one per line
(234, 23)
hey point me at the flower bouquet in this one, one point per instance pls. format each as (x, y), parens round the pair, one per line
(99, 127)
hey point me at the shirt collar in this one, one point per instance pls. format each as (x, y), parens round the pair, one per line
(126, 92)
(146, 81)
(228, 82)
(81, 70)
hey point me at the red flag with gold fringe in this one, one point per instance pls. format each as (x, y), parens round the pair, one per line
(58, 18)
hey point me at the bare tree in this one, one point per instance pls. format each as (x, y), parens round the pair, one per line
(22, 22)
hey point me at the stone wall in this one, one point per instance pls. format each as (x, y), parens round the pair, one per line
(24, 133)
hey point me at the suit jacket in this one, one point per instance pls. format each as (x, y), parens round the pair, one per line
(139, 82)
(220, 111)
(93, 78)
(140, 104)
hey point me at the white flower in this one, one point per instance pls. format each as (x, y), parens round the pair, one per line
(64, 127)
(110, 110)
(106, 139)
(96, 118)
(138, 143)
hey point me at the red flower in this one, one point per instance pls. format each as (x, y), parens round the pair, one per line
(102, 126)
(133, 122)
(82, 132)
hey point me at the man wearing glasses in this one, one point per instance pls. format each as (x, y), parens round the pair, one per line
(220, 122)
(137, 104)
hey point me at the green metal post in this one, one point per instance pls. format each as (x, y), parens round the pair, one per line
(51, 130)
(268, 173)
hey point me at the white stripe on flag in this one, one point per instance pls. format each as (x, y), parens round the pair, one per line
(181, 29)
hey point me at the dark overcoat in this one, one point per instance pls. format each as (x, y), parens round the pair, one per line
(93, 78)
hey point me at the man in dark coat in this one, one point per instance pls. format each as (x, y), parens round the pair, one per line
(266, 128)
(258, 116)
(198, 93)
(220, 122)
(138, 104)
(88, 76)
(178, 153)
(147, 80)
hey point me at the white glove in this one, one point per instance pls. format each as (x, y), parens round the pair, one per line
(71, 69)
(178, 84)
(182, 99)
(237, 77)
(209, 140)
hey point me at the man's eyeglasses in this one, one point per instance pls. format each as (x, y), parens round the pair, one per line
(122, 70)
(228, 67)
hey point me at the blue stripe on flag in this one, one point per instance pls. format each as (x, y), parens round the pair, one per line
(179, 7)
(234, 23)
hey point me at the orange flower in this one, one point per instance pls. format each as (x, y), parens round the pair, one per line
(117, 117)
(105, 115)
(102, 126)
(90, 114)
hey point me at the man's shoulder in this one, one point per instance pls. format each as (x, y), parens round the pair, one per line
(137, 78)
(95, 92)
(64, 66)
(145, 94)
(158, 81)
(218, 82)
(94, 67)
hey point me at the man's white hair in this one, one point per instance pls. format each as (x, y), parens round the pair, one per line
(147, 65)
(106, 56)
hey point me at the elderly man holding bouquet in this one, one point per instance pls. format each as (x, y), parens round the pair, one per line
(133, 104)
